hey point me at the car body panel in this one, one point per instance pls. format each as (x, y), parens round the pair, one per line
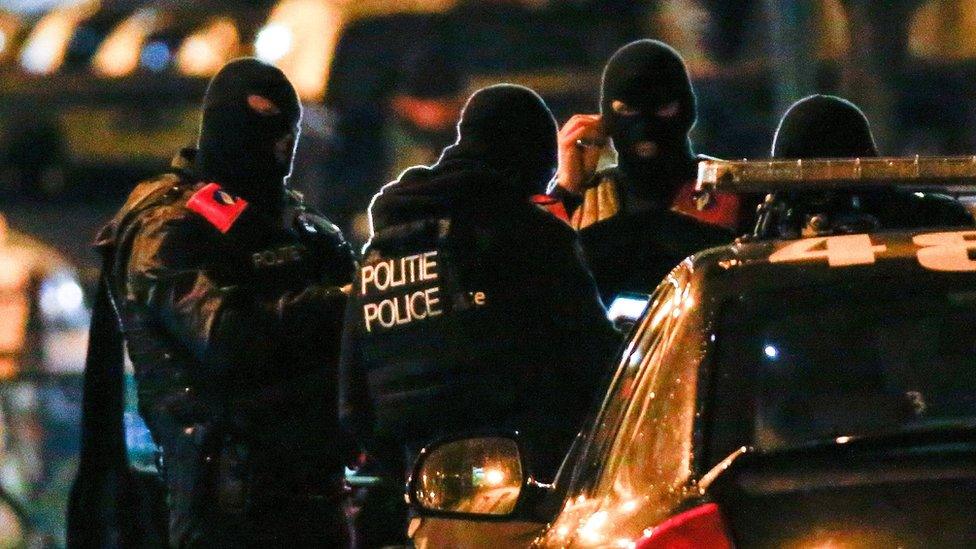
(432, 532)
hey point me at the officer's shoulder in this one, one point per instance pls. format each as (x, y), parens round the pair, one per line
(547, 225)
(182, 218)
(143, 198)
(149, 193)
(150, 199)
(941, 208)
(156, 215)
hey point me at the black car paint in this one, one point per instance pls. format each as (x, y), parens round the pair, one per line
(744, 272)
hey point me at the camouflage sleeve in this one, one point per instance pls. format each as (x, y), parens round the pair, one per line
(231, 330)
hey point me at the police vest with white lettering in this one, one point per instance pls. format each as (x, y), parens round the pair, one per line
(399, 291)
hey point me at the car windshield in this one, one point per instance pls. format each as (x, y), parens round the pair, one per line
(854, 362)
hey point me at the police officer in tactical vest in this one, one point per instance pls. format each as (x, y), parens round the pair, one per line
(473, 308)
(638, 219)
(228, 295)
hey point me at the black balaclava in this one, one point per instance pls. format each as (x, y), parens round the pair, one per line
(509, 129)
(250, 126)
(648, 109)
(823, 126)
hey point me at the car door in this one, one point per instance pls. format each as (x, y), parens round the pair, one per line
(638, 458)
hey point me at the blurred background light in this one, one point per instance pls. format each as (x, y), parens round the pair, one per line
(10, 29)
(47, 43)
(122, 51)
(155, 56)
(494, 477)
(299, 38)
(61, 298)
(273, 42)
(205, 51)
(29, 7)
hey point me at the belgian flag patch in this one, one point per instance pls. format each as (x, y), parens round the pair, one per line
(217, 206)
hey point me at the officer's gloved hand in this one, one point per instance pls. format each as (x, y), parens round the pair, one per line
(328, 247)
(581, 143)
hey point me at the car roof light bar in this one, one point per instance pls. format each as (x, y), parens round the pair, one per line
(947, 173)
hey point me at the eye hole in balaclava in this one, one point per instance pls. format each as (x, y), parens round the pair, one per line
(648, 110)
(623, 109)
(262, 105)
(510, 129)
(248, 133)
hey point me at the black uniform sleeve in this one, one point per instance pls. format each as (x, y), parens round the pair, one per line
(232, 330)
(334, 252)
(575, 304)
(578, 300)
(355, 404)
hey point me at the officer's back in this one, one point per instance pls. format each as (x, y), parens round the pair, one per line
(472, 308)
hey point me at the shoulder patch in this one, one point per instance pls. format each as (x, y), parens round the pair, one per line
(217, 206)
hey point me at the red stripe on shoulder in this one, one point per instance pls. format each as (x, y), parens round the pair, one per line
(552, 205)
(217, 206)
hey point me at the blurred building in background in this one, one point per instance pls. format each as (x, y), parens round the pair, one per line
(95, 95)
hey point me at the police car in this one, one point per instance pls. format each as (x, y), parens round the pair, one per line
(817, 391)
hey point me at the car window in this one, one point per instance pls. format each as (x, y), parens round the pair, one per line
(642, 343)
(638, 458)
(859, 361)
(651, 456)
(628, 451)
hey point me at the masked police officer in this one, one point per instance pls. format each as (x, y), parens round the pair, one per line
(472, 308)
(638, 219)
(825, 126)
(227, 291)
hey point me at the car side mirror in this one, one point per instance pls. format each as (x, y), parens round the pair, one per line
(473, 477)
